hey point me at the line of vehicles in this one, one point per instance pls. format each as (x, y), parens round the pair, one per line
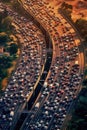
(29, 69)
(63, 79)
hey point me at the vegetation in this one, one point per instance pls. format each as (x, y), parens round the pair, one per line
(79, 115)
(5, 62)
(67, 9)
(7, 1)
(8, 46)
(7, 22)
(13, 48)
(81, 25)
(3, 38)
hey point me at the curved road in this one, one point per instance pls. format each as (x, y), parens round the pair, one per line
(69, 46)
(56, 97)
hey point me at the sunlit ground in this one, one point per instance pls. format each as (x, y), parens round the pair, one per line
(78, 11)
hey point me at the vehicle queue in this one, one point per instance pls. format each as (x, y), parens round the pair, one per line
(29, 69)
(64, 78)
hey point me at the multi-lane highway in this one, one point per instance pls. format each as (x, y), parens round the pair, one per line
(63, 77)
(29, 70)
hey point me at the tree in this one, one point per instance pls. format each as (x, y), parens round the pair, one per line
(3, 14)
(13, 48)
(85, 72)
(1, 17)
(81, 25)
(85, 82)
(6, 0)
(6, 22)
(67, 9)
(66, 6)
(3, 73)
(3, 38)
(5, 62)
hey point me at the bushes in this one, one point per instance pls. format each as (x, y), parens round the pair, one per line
(8, 45)
(3, 38)
(67, 9)
(6, 22)
(13, 49)
(5, 62)
(79, 116)
(81, 25)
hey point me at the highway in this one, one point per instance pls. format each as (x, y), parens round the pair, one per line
(63, 77)
(29, 70)
(68, 56)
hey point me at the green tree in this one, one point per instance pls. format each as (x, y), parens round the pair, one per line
(5, 62)
(85, 82)
(3, 73)
(81, 25)
(7, 22)
(67, 9)
(66, 6)
(3, 38)
(6, 0)
(13, 48)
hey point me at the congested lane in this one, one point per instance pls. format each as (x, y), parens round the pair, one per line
(29, 69)
(64, 78)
